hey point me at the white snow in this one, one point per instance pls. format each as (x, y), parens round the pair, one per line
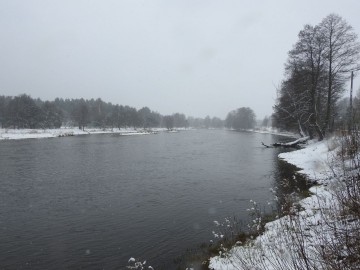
(18, 134)
(314, 160)
(274, 249)
(274, 131)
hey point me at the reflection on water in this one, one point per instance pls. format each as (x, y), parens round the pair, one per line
(288, 184)
(92, 202)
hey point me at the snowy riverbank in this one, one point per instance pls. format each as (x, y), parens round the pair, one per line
(19, 134)
(275, 131)
(278, 247)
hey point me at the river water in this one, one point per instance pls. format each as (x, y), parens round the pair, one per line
(92, 202)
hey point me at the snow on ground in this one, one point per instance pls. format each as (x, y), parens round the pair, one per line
(314, 160)
(275, 131)
(18, 134)
(274, 249)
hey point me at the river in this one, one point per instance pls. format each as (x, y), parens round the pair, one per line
(92, 202)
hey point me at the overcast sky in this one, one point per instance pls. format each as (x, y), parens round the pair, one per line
(198, 57)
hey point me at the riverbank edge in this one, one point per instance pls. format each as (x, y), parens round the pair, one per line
(22, 134)
(313, 162)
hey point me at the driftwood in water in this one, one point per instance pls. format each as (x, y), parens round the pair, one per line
(293, 144)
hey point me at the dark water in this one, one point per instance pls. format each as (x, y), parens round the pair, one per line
(92, 202)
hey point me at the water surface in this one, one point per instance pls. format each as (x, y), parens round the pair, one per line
(92, 202)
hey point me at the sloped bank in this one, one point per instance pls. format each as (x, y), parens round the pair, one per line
(293, 241)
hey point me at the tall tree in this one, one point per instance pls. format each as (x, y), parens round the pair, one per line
(148, 118)
(3, 105)
(315, 74)
(51, 115)
(242, 118)
(180, 120)
(98, 113)
(292, 106)
(306, 56)
(168, 121)
(22, 112)
(342, 56)
(80, 114)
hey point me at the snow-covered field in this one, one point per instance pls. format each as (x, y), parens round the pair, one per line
(18, 134)
(285, 238)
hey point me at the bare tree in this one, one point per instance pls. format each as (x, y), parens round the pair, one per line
(301, 92)
(342, 56)
(316, 71)
(292, 107)
(307, 53)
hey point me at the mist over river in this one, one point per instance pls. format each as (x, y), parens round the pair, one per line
(94, 201)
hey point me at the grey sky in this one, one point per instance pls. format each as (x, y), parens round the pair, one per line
(197, 57)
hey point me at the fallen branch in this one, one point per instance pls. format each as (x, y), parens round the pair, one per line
(293, 144)
(267, 146)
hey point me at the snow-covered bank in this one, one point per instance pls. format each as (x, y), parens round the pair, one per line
(302, 234)
(268, 130)
(18, 134)
(315, 160)
(274, 131)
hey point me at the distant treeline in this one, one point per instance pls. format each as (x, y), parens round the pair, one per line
(25, 112)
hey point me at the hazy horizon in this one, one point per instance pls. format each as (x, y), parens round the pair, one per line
(194, 57)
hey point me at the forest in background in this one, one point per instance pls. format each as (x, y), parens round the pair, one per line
(25, 112)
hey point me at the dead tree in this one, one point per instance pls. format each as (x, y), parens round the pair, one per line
(294, 144)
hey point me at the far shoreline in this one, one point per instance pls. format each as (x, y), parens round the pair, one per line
(23, 134)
